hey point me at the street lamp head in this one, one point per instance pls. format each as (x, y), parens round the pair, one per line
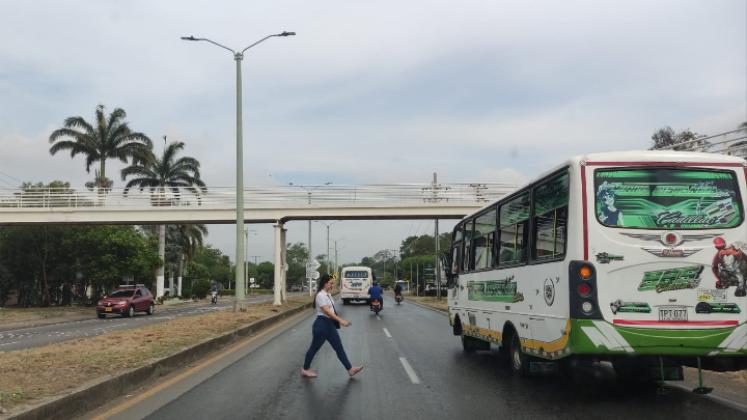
(287, 34)
(189, 38)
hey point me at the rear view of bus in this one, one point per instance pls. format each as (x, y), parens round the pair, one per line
(354, 284)
(666, 244)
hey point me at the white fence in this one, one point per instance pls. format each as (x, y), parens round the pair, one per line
(295, 195)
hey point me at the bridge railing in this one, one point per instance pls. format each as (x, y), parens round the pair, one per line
(731, 143)
(296, 195)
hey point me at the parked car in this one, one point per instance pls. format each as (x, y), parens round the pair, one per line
(127, 300)
(296, 288)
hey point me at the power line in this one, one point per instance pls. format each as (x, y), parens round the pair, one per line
(408, 232)
(14, 179)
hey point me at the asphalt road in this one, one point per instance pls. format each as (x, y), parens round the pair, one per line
(413, 369)
(41, 336)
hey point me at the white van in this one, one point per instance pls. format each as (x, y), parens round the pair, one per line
(354, 284)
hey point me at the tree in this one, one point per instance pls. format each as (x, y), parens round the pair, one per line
(200, 288)
(667, 137)
(105, 139)
(266, 274)
(740, 148)
(160, 175)
(296, 256)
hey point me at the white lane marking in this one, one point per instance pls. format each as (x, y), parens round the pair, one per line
(387, 333)
(409, 370)
(377, 317)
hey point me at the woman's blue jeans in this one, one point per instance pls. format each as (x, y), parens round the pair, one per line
(324, 330)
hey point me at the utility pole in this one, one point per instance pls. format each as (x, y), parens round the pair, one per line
(417, 278)
(438, 268)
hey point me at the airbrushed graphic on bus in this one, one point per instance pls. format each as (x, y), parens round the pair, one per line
(603, 257)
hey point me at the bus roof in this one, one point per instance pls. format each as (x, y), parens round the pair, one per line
(647, 156)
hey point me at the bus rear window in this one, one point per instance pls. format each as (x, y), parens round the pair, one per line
(661, 198)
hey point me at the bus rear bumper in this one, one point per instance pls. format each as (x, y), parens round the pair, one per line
(601, 338)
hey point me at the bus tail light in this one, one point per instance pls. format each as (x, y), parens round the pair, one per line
(584, 289)
(582, 286)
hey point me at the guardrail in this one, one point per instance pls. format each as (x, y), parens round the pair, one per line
(296, 195)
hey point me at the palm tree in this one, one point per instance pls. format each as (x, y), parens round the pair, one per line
(102, 184)
(190, 239)
(161, 175)
(106, 139)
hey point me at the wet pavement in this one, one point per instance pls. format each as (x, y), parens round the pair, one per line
(414, 369)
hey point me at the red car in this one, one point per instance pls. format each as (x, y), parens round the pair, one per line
(126, 301)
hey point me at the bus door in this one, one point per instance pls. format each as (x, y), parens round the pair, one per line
(669, 245)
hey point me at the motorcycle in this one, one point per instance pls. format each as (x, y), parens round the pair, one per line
(214, 300)
(398, 298)
(376, 306)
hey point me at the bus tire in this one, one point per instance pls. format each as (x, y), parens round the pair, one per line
(345, 301)
(466, 344)
(518, 359)
(457, 326)
(630, 372)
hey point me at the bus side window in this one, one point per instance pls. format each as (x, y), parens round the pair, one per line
(511, 241)
(484, 240)
(455, 258)
(467, 254)
(550, 218)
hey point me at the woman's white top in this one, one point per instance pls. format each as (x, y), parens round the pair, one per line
(323, 298)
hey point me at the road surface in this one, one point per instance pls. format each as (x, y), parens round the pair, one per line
(414, 369)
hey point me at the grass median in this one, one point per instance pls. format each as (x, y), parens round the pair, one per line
(8, 314)
(33, 374)
(429, 301)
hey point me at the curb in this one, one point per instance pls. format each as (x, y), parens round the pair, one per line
(92, 396)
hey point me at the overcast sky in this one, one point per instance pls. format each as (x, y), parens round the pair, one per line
(368, 92)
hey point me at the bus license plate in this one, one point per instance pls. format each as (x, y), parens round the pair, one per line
(672, 314)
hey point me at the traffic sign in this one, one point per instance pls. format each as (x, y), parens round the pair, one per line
(251, 281)
(310, 273)
(312, 265)
(315, 276)
(334, 276)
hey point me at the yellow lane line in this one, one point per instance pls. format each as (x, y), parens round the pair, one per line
(195, 369)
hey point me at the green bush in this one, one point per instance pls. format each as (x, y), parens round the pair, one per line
(201, 288)
(161, 299)
(228, 292)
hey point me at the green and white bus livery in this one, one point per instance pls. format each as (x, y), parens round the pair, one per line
(636, 258)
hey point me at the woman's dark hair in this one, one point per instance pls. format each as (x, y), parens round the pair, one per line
(320, 285)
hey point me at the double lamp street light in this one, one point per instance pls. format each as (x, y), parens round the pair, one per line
(240, 303)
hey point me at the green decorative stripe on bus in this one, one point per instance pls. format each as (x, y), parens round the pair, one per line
(494, 290)
(601, 337)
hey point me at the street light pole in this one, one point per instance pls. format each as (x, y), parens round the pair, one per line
(311, 256)
(240, 304)
(328, 225)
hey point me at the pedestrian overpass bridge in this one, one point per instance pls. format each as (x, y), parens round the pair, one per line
(262, 204)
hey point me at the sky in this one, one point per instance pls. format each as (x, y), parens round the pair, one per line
(384, 92)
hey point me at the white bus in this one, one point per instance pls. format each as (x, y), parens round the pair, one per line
(354, 284)
(637, 258)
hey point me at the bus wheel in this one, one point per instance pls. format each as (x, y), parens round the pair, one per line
(631, 372)
(519, 360)
(467, 344)
(345, 302)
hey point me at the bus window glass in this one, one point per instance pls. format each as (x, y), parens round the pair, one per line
(484, 240)
(513, 222)
(660, 198)
(455, 257)
(550, 216)
(467, 246)
(457, 236)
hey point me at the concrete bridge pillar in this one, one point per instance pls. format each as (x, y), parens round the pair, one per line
(278, 263)
(284, 266)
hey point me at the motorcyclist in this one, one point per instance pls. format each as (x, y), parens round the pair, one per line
(397, 290)
(376, 293)
(214, 294)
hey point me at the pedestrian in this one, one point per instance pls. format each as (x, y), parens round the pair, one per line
(325, 328)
